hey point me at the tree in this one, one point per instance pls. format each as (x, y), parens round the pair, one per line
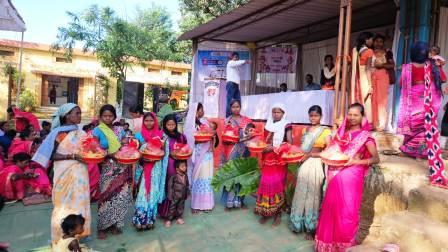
(197, 12)
(117, 43)
(211, 8)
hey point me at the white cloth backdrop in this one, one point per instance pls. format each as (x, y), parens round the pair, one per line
(442, 42)
(297, 105)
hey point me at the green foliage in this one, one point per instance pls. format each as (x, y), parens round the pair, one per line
(117, 43)
(103, 85)
(27, 101)
(197, 12)
(244, 171)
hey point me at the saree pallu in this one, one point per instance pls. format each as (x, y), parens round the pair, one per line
(414, 143)
(145, 211)
(271, 191)
(339, 216)
(202, 197)
(70, 187)
(365, 89)
(380, 93)
(94, 181)
(307, 196)
(116, 194)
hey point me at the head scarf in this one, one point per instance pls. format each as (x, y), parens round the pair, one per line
(60, 113)
(45, 150)
(277, 128)
(154, 132)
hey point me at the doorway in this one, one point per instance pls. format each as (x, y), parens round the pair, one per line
(57, 90)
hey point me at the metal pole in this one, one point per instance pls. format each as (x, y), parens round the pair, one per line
(20, 70)
(338, 66)
(348, 26)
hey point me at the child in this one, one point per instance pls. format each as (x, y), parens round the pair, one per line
(171, 136)
(126, 129)
(12, 178)
(250, 128)
(72, 226)
(434, 53)
(214, 127)
(177, 193)
(46, 128)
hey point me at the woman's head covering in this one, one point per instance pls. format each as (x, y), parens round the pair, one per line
(419, 52)
(154, 132)
(60, 113)
(277, 128)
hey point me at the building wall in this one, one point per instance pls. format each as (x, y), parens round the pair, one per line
(37, 62)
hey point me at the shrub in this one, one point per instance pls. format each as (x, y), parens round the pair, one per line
(27, 101)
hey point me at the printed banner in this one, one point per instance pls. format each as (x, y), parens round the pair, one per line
(277, 60)
(212, 64)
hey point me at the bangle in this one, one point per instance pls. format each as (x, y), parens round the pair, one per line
(368, 162)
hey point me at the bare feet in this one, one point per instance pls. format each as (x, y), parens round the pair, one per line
(4, 245)
(309, 236)
(167, 224)
(194, 212)
(115, 231)
(263, 220)
(277, 220)
(180, 221)
(101, 235)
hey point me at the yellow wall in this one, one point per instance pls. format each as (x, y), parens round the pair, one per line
(37, 62)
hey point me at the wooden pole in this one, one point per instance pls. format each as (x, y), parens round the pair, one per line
(348, 25)
(338, 66)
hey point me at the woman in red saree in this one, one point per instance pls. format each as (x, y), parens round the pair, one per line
(339, 216)
(23, 119)
(271, 191)
(21, 144)
(420, 101)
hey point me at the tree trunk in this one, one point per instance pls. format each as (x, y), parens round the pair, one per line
(10, 85)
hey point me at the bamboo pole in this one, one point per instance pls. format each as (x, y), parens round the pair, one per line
(348, 25)
(338, 66)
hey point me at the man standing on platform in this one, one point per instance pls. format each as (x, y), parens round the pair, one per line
(233, 72)
(310, 85)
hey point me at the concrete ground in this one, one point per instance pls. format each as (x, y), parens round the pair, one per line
(28, 229)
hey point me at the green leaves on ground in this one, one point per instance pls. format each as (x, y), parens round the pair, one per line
(244, 171)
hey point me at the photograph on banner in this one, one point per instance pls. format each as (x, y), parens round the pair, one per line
(277, 60)
(212, 75)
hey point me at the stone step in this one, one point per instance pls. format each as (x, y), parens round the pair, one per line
(386, 190)
(387, 141)
(414, 232)
(431, 201)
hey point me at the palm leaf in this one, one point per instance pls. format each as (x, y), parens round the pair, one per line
(244, 171)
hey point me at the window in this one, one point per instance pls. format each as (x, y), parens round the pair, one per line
(6, 53)
(153, 70)
(176, 73)
(64, 60)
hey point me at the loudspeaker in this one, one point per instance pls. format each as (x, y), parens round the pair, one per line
(134, 93)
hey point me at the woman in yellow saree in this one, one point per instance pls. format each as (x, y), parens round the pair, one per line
(71, 192)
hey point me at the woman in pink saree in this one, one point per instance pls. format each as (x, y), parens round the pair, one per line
(420, 100)
(339, 216)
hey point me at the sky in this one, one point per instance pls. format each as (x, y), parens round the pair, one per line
(43, 17)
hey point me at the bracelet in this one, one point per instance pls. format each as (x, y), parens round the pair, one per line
(368, 162)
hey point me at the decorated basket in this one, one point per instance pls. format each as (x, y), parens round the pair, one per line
(182, 156)
(93, 159)
(230, 139)
(256, 147)
(292, 158)
(336, 163)
(203, 137)
(127, 161)
(148, 156)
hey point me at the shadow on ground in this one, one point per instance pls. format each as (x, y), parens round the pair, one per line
(28, 229)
